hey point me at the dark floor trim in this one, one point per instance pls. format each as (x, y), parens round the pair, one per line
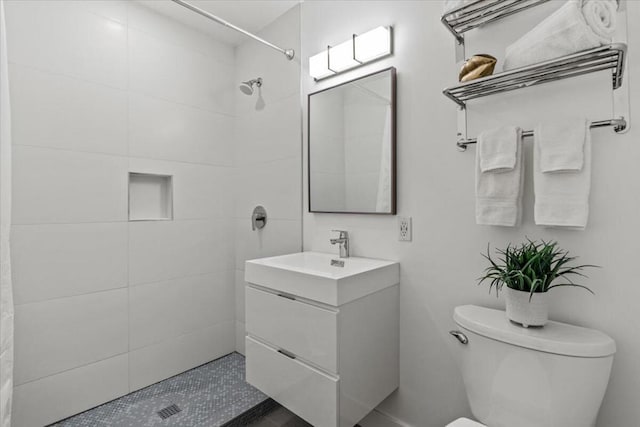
(257, 412)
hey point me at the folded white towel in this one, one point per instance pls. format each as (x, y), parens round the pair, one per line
(601, 17)
(561, 144)
(497, 148)
(577, 25)
(499, 190)
(562, 195)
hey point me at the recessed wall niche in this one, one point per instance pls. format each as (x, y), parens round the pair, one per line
(150, 197)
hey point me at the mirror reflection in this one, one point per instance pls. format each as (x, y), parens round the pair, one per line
(352, 146)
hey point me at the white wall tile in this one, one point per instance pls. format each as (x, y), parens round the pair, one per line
(69, 40)
(267, 153)
(101, 88)
(162, 250)
(199, 191)
(50, 399)
(56, 335)
(281, 77)
(160, 129)
(54, 186)
(163, 310)
(157, 362)
(239, 294)
(61, 260)
(164, 70)
(149, 21)
(273, 133)
(275, 185)
(279, 237)
(53, 110)
(112, 9)
(240, 334)
(203, 192)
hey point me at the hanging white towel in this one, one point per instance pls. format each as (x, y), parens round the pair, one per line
(499, 186)
(562, 174)
(561, 144)
(498, 148)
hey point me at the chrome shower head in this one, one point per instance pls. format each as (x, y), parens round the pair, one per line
(247, 87)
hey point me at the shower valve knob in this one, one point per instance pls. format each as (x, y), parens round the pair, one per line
(258, 218)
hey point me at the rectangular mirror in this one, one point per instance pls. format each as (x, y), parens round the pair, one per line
(352, 146)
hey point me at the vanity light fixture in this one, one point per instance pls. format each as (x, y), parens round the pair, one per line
(357, 51)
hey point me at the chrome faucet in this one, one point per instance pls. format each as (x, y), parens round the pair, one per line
(343, 241)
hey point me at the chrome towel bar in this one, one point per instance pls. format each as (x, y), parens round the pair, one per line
(619, 125)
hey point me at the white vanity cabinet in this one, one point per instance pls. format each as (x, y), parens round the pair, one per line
(329, 359)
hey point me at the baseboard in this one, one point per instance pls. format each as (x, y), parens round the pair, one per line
(380, 419)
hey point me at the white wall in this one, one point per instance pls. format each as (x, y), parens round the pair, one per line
(436, 186)
(268, 151)
(105, 306)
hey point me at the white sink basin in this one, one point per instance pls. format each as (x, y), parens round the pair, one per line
(311, 275)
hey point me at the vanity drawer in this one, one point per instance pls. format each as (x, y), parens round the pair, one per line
(309, 393)
(306, 330)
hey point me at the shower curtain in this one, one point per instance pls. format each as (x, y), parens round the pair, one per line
(383, 199)
(6, 297)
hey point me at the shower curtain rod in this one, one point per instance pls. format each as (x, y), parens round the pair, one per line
(289, 53)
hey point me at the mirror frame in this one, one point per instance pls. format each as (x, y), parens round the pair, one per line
(394, 180)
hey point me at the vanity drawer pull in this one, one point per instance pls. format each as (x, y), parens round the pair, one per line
(287, 297)
(286, 353)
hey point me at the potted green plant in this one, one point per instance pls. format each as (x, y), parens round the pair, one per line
(529, 271)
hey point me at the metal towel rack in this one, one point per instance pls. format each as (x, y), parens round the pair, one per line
(473, 15)
(618, 125)
(612, 57)
(608, 57)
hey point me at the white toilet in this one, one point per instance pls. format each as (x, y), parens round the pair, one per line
(554, 376)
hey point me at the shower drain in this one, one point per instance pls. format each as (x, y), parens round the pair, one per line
(169, 411)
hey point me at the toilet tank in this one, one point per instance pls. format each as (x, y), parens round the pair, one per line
(554, 376)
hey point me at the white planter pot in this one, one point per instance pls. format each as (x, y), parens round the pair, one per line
(525, 312)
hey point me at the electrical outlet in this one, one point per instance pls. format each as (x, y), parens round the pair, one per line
(404, 228)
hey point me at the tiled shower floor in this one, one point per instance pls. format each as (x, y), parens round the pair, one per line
(211, 395)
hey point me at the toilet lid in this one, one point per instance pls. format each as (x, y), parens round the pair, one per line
(555, 337)
(465, 422)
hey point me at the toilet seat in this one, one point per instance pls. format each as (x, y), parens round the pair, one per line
(464, 422)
